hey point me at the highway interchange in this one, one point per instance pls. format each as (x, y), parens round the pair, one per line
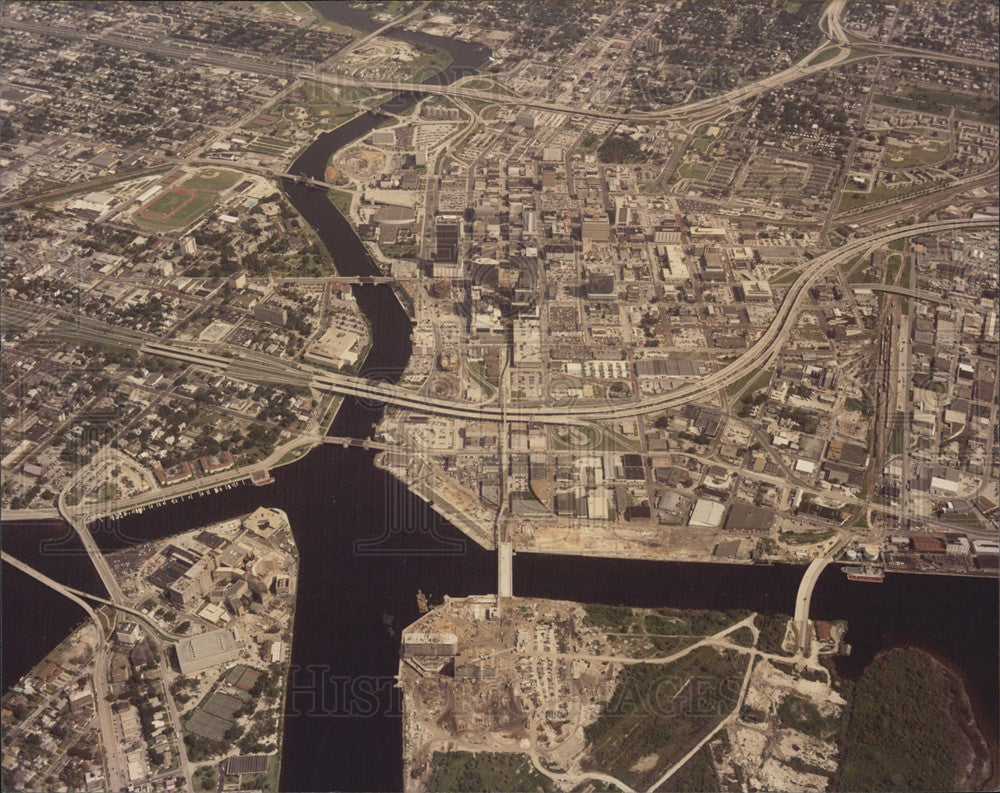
(264, 369)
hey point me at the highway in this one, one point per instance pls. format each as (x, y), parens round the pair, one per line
(830, 24)
(760, 354)
(905, 291)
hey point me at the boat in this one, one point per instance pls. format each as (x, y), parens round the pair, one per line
(868, 574)
(261, 478)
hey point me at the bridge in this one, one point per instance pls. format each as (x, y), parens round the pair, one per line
(804, 596)
(356, 443)
(301, 178)
(78, 596)
(505, 569)
(802, 601)
(760, 354)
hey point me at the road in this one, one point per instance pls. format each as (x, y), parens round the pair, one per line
(759, 355)
(261, 369)
(706, 108)
(905, 291)
(117, 768)
(78, 520)
(804, 596)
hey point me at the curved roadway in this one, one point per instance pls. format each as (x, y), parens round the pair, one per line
(757, 356)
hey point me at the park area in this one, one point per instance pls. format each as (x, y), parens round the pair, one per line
(178, 206)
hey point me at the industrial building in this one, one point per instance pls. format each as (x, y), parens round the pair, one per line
(707, 514)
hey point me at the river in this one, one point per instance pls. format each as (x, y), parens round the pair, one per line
(367, 545)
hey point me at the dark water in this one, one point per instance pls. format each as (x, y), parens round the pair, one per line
(35, 618)
(367, 545)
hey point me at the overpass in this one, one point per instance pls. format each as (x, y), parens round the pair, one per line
(78, 596)
(760, 354)
(830, 25)
(905, 291)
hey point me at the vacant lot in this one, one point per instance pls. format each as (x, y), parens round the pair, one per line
(660, 711)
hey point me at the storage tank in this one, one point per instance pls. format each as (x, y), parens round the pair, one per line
(850, 554)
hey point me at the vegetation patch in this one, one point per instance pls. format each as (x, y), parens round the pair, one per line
(802, 715)
(662, 711)
(805, 537)
(772, 629)
(741, 636)
(853, 200)
(926, 99)
(457, 772)
(620, 149)
(400, 250)
(698, 773)
(342, 200)
(898, 737)
(824, 55)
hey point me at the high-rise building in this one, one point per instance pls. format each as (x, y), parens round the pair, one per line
(447, 246)
(447, 233)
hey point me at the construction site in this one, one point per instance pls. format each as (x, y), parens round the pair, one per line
(557, 695)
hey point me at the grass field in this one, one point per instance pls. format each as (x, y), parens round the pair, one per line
(852, 200)
(342, 201)
(786, 276)
(428, 63)
(901, 159)
(322, 104)
(759, 379)
(694, 170)
(211, 179)
(940, 101)
(824, 55)
(898, 439)
(856, 271)
(702, 145)
(180, 206)
(169, 202)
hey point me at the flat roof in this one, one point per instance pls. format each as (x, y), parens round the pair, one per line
(707, 514)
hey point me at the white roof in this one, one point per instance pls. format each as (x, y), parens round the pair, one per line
(707, 514)
(805, 466)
